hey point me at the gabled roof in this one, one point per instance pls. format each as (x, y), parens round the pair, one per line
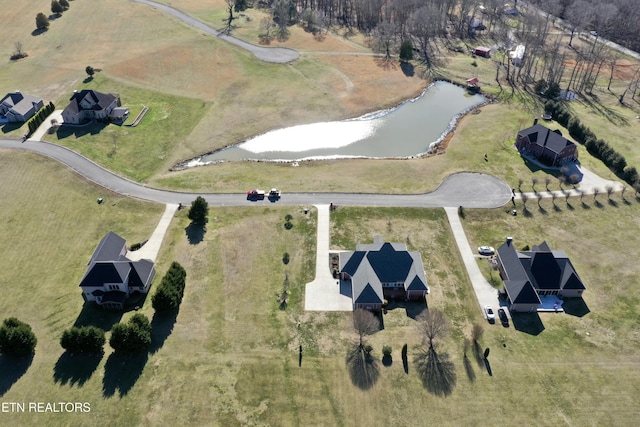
(541, 268)
(390, 265)
(371, 265)
(521, 292)
(19, 102)
(88, 99)
(545, 137)
(368, 295)
(109, 248)
(141, 272)
(545, 270)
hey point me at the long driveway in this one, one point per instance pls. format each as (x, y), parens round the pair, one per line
(268, 54)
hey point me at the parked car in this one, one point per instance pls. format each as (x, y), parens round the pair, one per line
(502, 313)
(491, 315)
(486, 250)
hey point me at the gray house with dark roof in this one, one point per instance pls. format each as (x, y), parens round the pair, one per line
(548, 146)
(111, 277)
(18, 107)
(88, 105)
(527, 275)
(383, 270)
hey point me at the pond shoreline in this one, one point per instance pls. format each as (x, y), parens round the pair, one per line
(436, 147)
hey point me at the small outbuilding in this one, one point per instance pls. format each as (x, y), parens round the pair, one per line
(483, 51)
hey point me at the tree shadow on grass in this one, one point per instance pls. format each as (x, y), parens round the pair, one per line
(575, 307)
(468, 368)
(364, 370)
(122, 371)
(76, 369)
(529, 323)
(487, 365)
(195, 233)
(407, 69)
(161, 328)
(11, 370)
(93, 315)
(437, 372)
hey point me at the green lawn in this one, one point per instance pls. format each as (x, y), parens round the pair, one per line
(236, 352)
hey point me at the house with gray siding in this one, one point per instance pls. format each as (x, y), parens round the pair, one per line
(111, 278)
(383, 270)
(527, 275)
(19, 107)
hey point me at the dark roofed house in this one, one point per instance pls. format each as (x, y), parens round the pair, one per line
(18, 107)
(87, 105)
(111, 277)
(549, 147)
(527, 275)
(383, 270)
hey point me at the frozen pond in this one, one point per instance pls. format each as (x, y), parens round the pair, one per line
(411, 129)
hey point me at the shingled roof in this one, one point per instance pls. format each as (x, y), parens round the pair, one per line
(371, 265)
(545, 137)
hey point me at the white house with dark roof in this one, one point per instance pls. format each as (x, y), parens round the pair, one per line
(111, 277)
(383, 270)
(527, 275)
(87, 105)
(19, 107)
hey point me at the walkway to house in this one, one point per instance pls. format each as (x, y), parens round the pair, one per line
(323, 294)
(152, 246)
(485, 293)
(46, 125)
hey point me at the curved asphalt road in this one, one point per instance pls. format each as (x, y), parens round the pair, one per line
(268, 54)
(468, 189)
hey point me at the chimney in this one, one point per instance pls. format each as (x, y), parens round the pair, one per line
(535, 121)
(509, 240)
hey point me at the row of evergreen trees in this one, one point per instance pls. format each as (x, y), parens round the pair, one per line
(40, 117)
(597, 147)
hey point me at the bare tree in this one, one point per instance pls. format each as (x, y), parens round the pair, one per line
(596, 191)
(433, 324)
(609, 189)
(365, 323)
(547, 181)
(534, 181)
(385, 37)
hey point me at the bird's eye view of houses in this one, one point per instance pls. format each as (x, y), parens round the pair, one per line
(289, 213)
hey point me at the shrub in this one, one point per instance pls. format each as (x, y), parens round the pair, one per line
(16, 338)
(87, 339)
(170, 291)
(133, 336)
(285, 258)
(386, 350)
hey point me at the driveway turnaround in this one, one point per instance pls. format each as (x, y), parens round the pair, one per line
(268, 54)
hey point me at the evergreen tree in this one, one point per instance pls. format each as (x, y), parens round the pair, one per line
(199, 212)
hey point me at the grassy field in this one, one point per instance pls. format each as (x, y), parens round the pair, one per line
(237, 352)
(230, 357)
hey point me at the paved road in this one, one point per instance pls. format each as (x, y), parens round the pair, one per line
(268, 54)
(472, 190)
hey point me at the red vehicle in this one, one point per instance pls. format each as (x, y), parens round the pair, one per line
(255, 194)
